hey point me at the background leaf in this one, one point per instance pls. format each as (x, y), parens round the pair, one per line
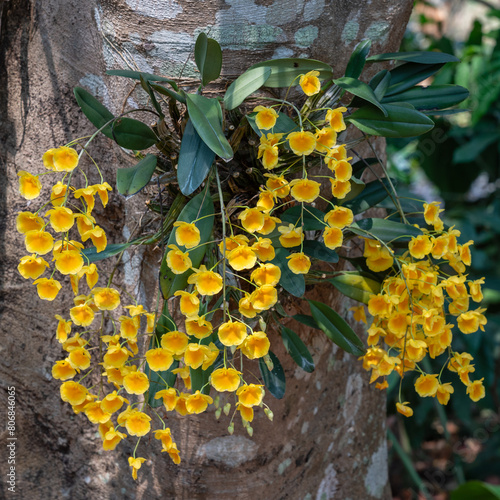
(356, 286)
(358, 58)
(361, 90)
(195, 160)
(385, 230)
(206, 115)
(336, 329)
(245, 85)
(433, 97)
(130, 181)
(476, 490)
(292, 283)
(310, 217)
(318, 250)
(374, 193)
(274, 380)
(208, 58)
(297, 349)
(421, 57)
(133, 134)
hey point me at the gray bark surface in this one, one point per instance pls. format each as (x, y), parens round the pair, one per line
(327, 440)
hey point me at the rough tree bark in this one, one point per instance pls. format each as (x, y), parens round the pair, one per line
(328, 436)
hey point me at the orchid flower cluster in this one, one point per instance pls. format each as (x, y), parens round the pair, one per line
(226, 269)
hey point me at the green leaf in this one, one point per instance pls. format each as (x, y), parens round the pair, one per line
(420, 57)
(385, 230)
(206, 115)
(195, 160)
(357, 187)
(97, 113)
(374, 193)
(285, 72)
(201, 209)
(476, 490)
(355, 286)
(274, 380)
(297, 349)
(92, 255)
(130, 181)
(245, 85)
(133, 134)
(361, 90)
(147, 87)
(306, 320)
(402, 121)
(181, 97)
(313, 218)
(358, 58)
(208, 58)
(318, 250)
(380, 83)
(409, 74)
(136, 75)
(284, 125)
(164, 379)
(292, 283)
(433, 97)
(336, 329)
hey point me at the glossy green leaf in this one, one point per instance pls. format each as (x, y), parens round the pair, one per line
(476, 490)
(130, 181)
(297, 349)
(201, 210)
(274, 380)
(357, 187)
(402, 121)
(133, 134)
(409, 74)
(361, 90)
(358, 58)
(292, 283)
(380, 83)
(208, 58)
(285, 72)
(311, 217)
(284, 125)
(355, 286)
(318, 250)
(148, 89)
(305, 319)
(195, 160)
(385, 230)
(136, 75)
(433, 97)
(374, 193)
(336, 329)
(245, 85)
(96, 112)
(163, 379)
(178, 96)
(421, 57)
(206, 115)
(92, 255)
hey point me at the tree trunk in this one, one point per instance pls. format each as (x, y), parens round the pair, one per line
(328, 436)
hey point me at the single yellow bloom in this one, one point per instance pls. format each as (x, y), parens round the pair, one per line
(265, 118)
(48, 159)
(106, 299)
(269, 224)
(32, 267)
(299, 263)
(426, 385)
(96, 414)
(88, 194)
(159, 359)
(250, 395)
(129, 326)
(264, 297)
(29, 185)
(255, 345)
(84, 223)
(359, 313)
(39, 242)
(137, 423)
(73, 393)
(63, 370)
(242, 258)
(333, 237)
(61, 219)
(266, 200)
(98, 237)
(404, 409)
(269, 155)
(177, 260)
(189, 303)
(175, 342)
(198, 327)
(343, 170)
(206, 282)
(420, 246)
(325, 139)
(340, 189)
(195, 354)
(113, 402)
(246, 412)
(336, 154)
(116, 357)
(225, 379)
(198, 403)
(47, 288)
(278, 185)
(266, 274)
(65, 159)
(232, 333)
(169, 397)
(173, 452)
(82, 315)
(102, 191)
(302, 143)
(111, 438)
(305, 190)
(165, 436)
(290, 236)
(476, 390)
(252, 219)
(336, 118)
(339, 217)
(444, 391)
(245, 307)
(63, 329)
(27, 221)
(58, 194)
(69, 262)
(136, 383)
(310, 83)
(186, 234)
(264, 249)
